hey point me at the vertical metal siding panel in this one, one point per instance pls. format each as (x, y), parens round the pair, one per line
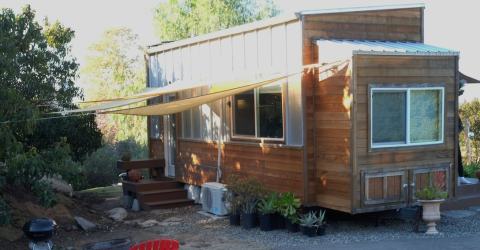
(294, 126)
(177, 65)
(265, 51)
(279, 48)
(226, 67)
(251, 55)
(154, 71)
(238, 45)
(169, 67)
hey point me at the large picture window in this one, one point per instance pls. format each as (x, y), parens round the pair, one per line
(259, 113)
(406, 116)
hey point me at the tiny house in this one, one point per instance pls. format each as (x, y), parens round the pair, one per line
(362, 136)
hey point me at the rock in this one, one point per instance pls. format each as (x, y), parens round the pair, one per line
(474, 208)
(117, 214)
(135, 205)
(85, 224)
(172, 221)
(10, 233)
(148, 223)
(59, 185)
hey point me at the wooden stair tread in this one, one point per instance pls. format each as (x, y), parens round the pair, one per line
(161, 191)
(167, 202)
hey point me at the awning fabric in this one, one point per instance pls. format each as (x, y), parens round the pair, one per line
(185, 104)
(144, 95)
(217, 92)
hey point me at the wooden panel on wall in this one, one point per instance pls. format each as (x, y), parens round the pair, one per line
(329, 126)
(278, 168)
(402, 71)
(386, 25)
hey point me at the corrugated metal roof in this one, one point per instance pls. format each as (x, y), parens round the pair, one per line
(384, 47)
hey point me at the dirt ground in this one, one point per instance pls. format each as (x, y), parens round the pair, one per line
(184, 224)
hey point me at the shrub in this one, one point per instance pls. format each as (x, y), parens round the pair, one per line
(470, 169)
(45, 193)
(431, 193)
(5, 216)
(100, 167)
(246, 192)
(288, 206)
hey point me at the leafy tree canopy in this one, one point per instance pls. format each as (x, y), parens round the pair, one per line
(37, 73)
(178, 19)
(114, 68)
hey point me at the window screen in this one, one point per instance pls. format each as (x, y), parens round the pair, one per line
(425, 115)
(389, 117)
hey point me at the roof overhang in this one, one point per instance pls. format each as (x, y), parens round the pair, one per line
(468, 79)
(367, 47)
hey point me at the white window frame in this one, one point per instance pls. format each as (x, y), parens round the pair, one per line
(256, 116)
(407, 139)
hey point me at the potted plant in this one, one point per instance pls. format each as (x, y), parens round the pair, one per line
(233, 200)
(249, 216)
(321, 225)
(430, 198)
(309, 224)
(266, 208)
(288, 207)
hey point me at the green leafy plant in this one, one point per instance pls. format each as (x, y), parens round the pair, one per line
(45, 193)
(471, 169)
(431, 193)
(309, 219)
(5, 216)
(321, 217)
(267, 205)
(288, 206)
(245, 192)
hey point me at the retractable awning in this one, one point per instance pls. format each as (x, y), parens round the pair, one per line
(146, 94)
(217, 92)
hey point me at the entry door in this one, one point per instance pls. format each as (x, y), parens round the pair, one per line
(170, 141)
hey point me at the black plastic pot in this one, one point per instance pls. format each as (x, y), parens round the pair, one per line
(248, 221)
(309, 231)
(234, 219)
(278, 221)
(321, 230)
(291, 227)
(266, 222)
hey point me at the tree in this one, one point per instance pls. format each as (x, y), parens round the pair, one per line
(37, 74)
(470, 112)
(115, 68)
(182, 19)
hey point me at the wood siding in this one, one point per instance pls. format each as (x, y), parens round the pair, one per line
(402, 71)
(279, 168)
(329, 127)
(385, 25)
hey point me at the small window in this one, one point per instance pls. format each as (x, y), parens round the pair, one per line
(406, 116)
(259, 113)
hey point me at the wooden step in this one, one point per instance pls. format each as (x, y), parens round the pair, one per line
(162, 195)
(150, 185)
(166, 204)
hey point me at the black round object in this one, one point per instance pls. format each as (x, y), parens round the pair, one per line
(321, 230)
(39, 229)
(310, 231)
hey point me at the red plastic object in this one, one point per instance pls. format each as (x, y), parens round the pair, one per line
(164, 244)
